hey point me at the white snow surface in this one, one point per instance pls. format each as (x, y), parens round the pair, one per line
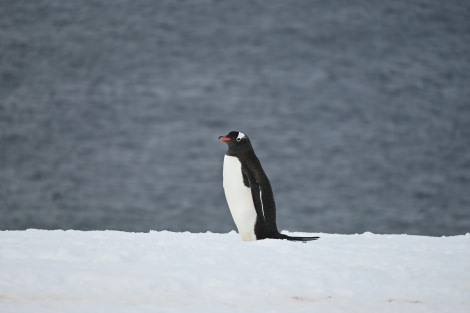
(112, 271)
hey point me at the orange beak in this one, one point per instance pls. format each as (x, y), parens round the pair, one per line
(224, 138)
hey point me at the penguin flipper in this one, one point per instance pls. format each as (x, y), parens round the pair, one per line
(250, 181)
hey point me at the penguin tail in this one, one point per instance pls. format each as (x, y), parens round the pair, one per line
(294, 238)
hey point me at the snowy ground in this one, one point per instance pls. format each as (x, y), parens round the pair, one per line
(110, 271)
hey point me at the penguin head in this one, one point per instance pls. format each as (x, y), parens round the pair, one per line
(237, 142)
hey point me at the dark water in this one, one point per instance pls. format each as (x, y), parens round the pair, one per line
(359, 112)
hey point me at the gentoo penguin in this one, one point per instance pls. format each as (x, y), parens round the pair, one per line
(248, 191)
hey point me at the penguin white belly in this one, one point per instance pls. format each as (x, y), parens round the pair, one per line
(239, 199)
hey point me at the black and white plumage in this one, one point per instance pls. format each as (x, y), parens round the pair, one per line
(248, 191)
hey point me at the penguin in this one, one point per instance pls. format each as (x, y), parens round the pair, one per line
(248, 191)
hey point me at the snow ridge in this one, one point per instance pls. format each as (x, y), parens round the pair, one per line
(111, 271)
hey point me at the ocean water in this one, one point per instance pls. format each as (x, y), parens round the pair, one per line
(359, 112)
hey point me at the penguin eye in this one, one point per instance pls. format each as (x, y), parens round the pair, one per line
(239, 139)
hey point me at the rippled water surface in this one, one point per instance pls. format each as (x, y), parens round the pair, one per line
(359, 112)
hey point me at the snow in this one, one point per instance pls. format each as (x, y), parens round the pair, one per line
(111, 271)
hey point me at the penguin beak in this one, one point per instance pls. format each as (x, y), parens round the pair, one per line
(224, 138)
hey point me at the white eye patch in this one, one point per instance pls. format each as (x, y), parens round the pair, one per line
(240, 136)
